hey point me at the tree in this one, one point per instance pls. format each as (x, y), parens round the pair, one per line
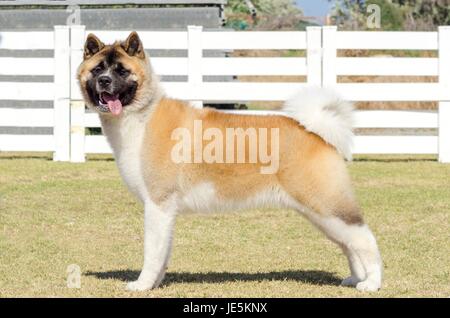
(395, 14)
(270, 14)
(352, 14)
(426, 14)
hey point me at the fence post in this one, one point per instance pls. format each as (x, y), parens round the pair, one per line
(314, 55)
(77, 134)
(61, 102)
(329, 52)
(444, 105)
(195, 54)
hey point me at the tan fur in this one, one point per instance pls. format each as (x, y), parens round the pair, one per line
(310, 170)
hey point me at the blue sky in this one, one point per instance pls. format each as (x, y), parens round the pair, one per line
(314, 7)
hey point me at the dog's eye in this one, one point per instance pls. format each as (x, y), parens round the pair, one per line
(97, 69)
(123, 72)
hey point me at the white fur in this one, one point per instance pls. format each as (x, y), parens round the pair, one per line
(125, 135)
(360, 247)
(324, 113)
(158, 227)
(204, 199)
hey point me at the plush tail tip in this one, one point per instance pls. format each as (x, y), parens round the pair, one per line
(323, 112)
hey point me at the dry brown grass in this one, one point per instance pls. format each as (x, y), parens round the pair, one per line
(55, 214)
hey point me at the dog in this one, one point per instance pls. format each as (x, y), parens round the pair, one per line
(142, 126)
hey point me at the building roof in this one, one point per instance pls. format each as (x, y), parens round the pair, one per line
(109, 2)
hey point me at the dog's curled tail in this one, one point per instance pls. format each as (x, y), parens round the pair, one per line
(324, 113)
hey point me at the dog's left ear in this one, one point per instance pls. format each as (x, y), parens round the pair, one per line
(133, 45)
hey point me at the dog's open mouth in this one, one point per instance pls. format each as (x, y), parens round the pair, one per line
(112, 101)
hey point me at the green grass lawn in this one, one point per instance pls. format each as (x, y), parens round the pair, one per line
(56, 214)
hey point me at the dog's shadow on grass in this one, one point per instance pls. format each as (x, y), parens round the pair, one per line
(305, 276)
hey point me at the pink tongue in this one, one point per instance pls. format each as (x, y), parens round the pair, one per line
(115, 106)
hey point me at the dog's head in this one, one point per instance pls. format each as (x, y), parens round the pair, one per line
(115, 79)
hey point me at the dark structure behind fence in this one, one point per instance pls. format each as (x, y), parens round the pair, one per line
(42, 15)
(112, 14)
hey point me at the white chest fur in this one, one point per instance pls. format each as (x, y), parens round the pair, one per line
(125, 135)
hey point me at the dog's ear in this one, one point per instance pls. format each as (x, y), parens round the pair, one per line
(92, 46)
(133, 45)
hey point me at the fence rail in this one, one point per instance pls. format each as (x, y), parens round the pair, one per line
(321, 65)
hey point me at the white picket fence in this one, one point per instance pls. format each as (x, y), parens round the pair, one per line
(321, 66)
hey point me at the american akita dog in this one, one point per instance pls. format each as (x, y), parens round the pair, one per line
(314, 137)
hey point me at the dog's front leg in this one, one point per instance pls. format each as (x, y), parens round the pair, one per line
(158, 223)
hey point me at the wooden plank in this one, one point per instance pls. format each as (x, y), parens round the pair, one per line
(219, 91)
(254, 40)
(167, 40)
(27, 143)
(97, 144)
(287, 40)
(393, 91)
(26, 91)
(77, 36)
(16, 117)
(383, 66)
(395, 119)
(263, 66)
(395, 145)
(329, 52)
(444, 104)
(314, 55)
(170, 65)
(386, 40)
(31, 40)
(61, 104)
(91, 120)
(195, 54)
(26, 66)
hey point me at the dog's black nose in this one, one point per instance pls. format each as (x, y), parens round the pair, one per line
(104, 81)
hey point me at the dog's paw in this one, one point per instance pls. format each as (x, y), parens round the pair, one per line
(368, 286)
(139, 285)
(350, 281)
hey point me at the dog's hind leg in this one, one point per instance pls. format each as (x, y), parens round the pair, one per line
(360, 247)
(358, 273)
(158, 223)
(322, 192)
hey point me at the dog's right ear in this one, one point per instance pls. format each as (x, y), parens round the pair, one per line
(92, 46)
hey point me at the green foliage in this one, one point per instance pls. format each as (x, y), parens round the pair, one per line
(272, 7)
(272, 15)
(392, 17)
(395, 14)
(350, 14)
(427, 14)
